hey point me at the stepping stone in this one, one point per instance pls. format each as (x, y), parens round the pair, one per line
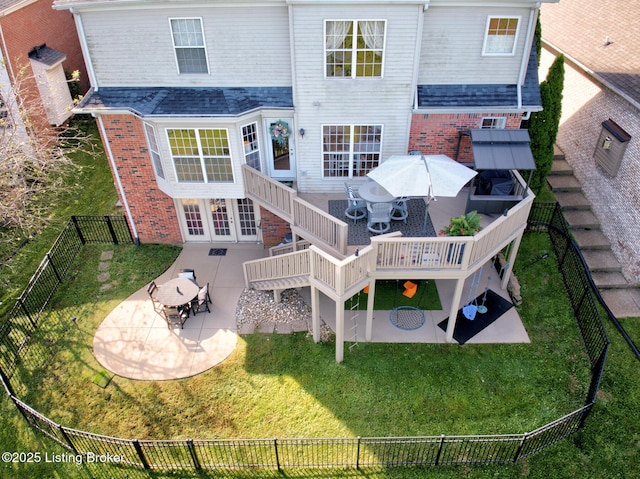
(247, 328)
(284, 328)
(103, 266)
(106, 256)
(103, 277)
(299, 326)
(105, 287)
(267, 327)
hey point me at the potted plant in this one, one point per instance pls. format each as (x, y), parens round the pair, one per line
(467, 224)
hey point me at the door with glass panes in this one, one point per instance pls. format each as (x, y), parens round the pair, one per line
(219, 219)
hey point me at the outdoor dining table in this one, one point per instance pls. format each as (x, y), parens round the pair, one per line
(177, 292)
(373, 192)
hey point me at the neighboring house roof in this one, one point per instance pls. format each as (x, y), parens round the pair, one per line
(46, 55)
(160, 101)
(602, 36)
(484, 95)
(12, 4)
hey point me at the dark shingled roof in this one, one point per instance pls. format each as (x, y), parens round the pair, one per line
(163, 101)
(46, 55)
(484, 95)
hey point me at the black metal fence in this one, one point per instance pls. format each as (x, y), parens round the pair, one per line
(357, 452)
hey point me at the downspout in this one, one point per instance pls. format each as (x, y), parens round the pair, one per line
(121, 193)
(416, 67)
(7, 60)
(85, 50)
(525, 57)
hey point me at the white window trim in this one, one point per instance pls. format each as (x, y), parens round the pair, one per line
(259, 150)
(354, 49)
(159, 166)
(515, 40)
(200, 157)
(351, 146)
(204, 45)
(499, 121)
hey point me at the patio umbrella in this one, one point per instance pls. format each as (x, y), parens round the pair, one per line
(422, 175)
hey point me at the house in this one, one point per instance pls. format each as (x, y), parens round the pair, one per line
(305, 91)
(44, 44)
(600, 122)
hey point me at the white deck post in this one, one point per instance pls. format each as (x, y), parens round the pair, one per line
(371, 296)
(315, 313)
(455, 305)
(513, 252)
(339, 331)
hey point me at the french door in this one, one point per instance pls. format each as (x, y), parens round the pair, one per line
(280, 148)
(218, 220)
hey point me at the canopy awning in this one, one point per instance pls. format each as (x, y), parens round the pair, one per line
(502, 149)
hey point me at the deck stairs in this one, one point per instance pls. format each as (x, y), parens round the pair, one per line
(282, 283)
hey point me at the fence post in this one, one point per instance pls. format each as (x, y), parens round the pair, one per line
(53, 267)
(275, 446)
(6, 383)
(138, 448)
(194, 456)
(26, 311)
(74, 220)
(358, 453)
(114, 236)
(439, 449)
(519, 450)
(63, 433)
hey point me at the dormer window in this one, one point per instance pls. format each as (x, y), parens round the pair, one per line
(501, 35)
(188, 44)
(354, 48)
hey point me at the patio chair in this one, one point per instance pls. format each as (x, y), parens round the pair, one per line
(175, 316)
(151, 291)
(188, 273)
(356, 207)
(379, 217)
(201, 302)
(400, 211)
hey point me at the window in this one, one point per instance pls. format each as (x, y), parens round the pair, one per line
(188, 43)
(153, 149)
(350, 150)
(193, 217)
(501, 35)
(201, 155)
(354, 48)
(493, 123)
(251, 145)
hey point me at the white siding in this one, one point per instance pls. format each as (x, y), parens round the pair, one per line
(451, 50)
(383, 101)
(246, 46)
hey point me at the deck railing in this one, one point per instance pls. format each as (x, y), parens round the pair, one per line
(306, 220)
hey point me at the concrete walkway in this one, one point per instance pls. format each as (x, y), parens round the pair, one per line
(134, 341)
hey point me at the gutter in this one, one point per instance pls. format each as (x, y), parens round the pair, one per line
(93, 81)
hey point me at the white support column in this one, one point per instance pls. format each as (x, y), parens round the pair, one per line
(315, 313)
(339, 331)
(513, 253)
(371, 296)
(453, 312)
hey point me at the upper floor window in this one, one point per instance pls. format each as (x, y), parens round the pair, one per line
(251, 145)
(188, 44)
(501, 35)
(154, 150)
(201, 155)
(493, 122)
(354, 48)
(350, 150)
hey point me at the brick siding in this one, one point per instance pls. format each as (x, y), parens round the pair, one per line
(273, 228)
(153, 212)
(614, 200)
(447, 133)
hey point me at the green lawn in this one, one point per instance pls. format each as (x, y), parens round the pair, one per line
(287, 386)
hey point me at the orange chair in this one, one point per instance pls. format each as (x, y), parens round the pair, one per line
(410, 289)
(366, 290)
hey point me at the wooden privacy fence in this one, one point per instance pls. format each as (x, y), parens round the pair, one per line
(279, 453)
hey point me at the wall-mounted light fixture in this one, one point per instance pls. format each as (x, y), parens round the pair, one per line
(302, 132)
(606, 144)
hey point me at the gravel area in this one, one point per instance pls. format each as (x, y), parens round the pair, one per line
(257, 311)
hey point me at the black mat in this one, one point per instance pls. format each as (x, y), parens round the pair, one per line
(467, 329)
(360, 235)
(218, 252)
